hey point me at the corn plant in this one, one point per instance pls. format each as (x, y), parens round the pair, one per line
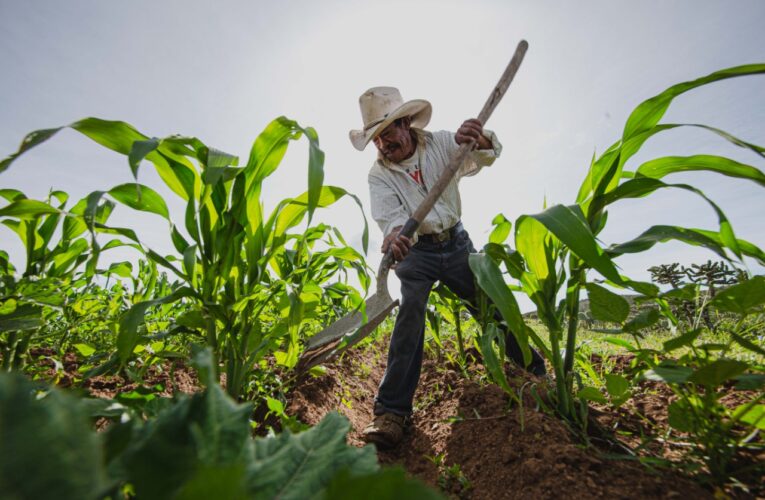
(556, 248)
(445, 308)
(25, 300)
(236, 260)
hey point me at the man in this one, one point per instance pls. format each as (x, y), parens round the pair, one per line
(410, 160)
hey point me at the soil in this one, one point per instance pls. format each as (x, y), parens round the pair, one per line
(469, 440)
(171, 376)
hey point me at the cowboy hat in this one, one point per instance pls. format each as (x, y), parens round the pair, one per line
(381, 106)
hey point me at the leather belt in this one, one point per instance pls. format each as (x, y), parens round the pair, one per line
(446, 235)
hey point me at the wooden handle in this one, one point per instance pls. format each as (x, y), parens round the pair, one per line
(459, 157)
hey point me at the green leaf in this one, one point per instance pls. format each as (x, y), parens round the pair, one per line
(754, 415)
(616, 385)
(297, 466)
(388, 484)
(27, 209)
(8, 306)
(133, 318)
(660, 167)
(747, 344)
(48, 446)
(275, 405)
(747, 297)
(22, 317)
(680, 416)
(650, 111)
(591, 394)
(195, 441)
(644, 319)
(501, 230)
(717, 372)
(643, 186)
(660, 234)
(750, 382)
(569, 226)
(489, 278)
(747, 248)
(494, 364)
(140, 197)
(669, 374)
(85, 349)
(620, 342)
(315, 170)
(606, 305)
(683, 340)
(31, 140)
(138, 151)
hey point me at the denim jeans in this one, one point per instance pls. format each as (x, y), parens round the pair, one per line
(427, 263)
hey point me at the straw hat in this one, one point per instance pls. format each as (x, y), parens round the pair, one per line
(381, 106)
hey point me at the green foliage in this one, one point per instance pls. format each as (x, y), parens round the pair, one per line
(446, 309)
(388, 484)
(195, 447)
(557, 247)
(253, 283)
(47, 448)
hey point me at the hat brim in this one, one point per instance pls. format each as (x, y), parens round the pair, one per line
(419, 109)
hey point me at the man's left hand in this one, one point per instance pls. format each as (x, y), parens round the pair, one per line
(472, 130)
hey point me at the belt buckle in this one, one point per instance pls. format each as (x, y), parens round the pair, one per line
(443, 236)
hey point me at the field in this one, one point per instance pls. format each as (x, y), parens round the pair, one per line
(180, 376)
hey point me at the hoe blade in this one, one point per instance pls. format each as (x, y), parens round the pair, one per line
(347, 331)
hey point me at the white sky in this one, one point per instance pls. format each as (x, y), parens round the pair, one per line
(221, 71)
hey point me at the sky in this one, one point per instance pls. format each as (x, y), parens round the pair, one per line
(222, 71)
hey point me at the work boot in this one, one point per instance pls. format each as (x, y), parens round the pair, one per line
(386, 430)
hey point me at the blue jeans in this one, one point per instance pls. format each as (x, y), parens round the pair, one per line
(427, 263)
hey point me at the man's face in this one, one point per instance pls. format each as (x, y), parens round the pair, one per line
(395, 143)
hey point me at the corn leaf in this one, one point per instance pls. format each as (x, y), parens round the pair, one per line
(140, 197)
(650, 111)
(27, 209)
(661, 167)
(128, 335)
(489, 278)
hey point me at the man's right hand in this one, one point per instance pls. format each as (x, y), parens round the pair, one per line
(398, 243)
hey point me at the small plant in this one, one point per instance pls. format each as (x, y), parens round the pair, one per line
(703, 374)
(450, 477)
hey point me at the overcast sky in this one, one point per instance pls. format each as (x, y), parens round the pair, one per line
(222, 70)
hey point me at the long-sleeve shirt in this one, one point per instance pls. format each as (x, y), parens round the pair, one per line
(395, 192)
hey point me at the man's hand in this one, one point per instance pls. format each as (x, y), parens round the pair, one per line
(472, 130)
(398, 243)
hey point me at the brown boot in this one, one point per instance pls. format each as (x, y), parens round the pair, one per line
(386, 430)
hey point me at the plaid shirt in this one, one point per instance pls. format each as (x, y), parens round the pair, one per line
(396, 193)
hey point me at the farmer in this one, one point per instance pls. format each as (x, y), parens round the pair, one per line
(409, 161)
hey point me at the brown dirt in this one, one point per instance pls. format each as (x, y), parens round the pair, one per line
(173, 376)
(494, 448)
